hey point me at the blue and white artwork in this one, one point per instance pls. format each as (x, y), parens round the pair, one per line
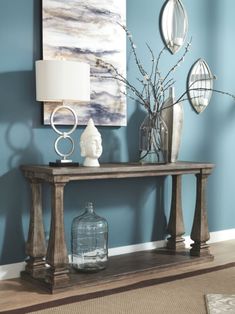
(87, 30)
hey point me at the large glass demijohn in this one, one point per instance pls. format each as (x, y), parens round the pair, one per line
(89, 241)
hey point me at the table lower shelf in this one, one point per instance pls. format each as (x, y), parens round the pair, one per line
(123, 267)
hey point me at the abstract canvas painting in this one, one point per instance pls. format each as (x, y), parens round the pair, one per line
(87, 30)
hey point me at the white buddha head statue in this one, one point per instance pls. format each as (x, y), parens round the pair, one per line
(91, 145)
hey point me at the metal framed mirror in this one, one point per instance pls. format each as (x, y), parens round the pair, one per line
(174, 25)
(200, 85)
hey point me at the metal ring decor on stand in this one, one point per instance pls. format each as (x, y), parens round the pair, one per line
(64, 135)
(74, 115)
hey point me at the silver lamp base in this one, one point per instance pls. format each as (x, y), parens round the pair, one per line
(64, 162)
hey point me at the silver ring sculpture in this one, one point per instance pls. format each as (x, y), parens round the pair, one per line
(64, 135)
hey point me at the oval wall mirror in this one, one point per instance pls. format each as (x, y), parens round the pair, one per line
(174, 25)
(200, 85)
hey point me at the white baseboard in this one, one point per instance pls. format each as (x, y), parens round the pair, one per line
(136, 247)
(13, 270)
(217, 236)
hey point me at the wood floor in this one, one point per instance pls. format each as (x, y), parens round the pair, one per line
(16, 293)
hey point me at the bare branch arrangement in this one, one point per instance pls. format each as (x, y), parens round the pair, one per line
(155, 86)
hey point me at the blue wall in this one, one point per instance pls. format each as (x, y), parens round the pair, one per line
(131, 213)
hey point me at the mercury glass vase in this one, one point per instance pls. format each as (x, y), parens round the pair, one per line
(153, 140)
(173, 115)
(89, 241)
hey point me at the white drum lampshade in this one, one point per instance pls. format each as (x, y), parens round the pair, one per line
(62, 81)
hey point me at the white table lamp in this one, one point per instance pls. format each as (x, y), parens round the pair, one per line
(62, 81)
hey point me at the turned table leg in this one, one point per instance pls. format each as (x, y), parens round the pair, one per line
(36, 244)
(176, 224)
(57, 256)
(200, 233)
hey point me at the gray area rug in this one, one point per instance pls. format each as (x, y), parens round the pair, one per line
(220, 303)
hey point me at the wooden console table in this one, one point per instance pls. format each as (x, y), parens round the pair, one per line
(49, 268)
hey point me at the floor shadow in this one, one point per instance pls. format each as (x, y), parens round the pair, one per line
(159, 231)
(18, 111)
(20, 104)
(15, 197)
(111, 146)
(150, 219)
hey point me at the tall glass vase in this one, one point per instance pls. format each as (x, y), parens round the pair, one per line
(153, 140)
